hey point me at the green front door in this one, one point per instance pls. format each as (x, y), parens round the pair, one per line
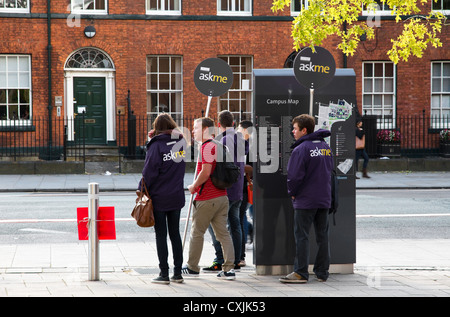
(89, 97)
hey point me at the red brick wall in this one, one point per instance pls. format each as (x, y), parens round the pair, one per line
(128, 42)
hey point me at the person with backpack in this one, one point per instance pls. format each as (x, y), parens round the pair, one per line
(210, 205)
(238, 147)
(309, 185)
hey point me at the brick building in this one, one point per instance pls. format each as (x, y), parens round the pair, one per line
(60, 57)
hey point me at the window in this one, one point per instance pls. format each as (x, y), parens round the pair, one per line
(172, 7)
(234, 7)
(89, 58)
(440, 92)
(165, 85)
(441, 5)
(17, 6)
(297, 6)
(15, 87)
(378, 8)
(89, 6)
(378, 88)
(238, 99)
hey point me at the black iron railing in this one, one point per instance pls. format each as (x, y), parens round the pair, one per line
(419, 134)
(30, 140)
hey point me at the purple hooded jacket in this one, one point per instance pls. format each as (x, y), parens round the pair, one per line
(164, 170)
(309, 171)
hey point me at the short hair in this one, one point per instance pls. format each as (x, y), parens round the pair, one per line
(305, 121)
(226, 119)
(246, 124)
(163, 122)
(206, 122)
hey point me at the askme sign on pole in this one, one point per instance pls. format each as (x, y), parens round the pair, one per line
(314, 70)
(213, 77)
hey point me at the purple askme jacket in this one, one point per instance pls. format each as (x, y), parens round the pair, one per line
(164, 170)
(309, 171)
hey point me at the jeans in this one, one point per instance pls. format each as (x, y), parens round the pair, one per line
(358, 154)
(234, 226)
(168, 221)
(303, 219)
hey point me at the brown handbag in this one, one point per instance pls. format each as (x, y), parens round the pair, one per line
(143, 211)
(360, 143)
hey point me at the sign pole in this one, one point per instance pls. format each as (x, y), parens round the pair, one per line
(311, 98)
(93, 250)
(208, 105)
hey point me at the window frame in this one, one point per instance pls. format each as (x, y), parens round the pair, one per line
(149, 11)
(177, 91)
(16, 10)
(438, 121)
(385, 121)
(248, 12)
(18, 87)
(89, 11)
(378, 12)
(303, 5)
(443, 11)
(245, 93)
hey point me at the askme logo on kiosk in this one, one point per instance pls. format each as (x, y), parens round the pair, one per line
(213, 77)
(314, 70)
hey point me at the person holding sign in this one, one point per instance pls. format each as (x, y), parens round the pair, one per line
(237, 145)
(210, 206)
(309, 185)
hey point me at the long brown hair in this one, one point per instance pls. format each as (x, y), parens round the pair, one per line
(164, 123)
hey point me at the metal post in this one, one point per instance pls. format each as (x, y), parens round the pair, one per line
(93, 252)
(311, 101)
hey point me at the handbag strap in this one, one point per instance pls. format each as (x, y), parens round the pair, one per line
(145, 188)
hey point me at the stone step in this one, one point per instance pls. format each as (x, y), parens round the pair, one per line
(95, 153)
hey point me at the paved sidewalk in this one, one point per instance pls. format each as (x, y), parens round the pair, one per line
(384, 267)
(128, 182)
(387, 268)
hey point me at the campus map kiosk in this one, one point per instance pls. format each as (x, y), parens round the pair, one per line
(278, 99)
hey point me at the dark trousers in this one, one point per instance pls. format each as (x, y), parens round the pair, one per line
(358, 154)
(168, 221)
(303, 219)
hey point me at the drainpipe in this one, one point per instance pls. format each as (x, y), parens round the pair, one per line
(49, 54)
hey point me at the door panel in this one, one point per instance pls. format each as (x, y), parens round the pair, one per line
(89, 95)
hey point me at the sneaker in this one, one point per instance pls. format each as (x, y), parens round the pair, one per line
(242, 263)
(215, 267)
(161, 280)
(237, 267)
(293, 278)
(177, 279)
(230, 275)
(187, 271)
(322, 278)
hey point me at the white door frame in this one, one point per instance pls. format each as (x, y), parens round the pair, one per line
(109, 76)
